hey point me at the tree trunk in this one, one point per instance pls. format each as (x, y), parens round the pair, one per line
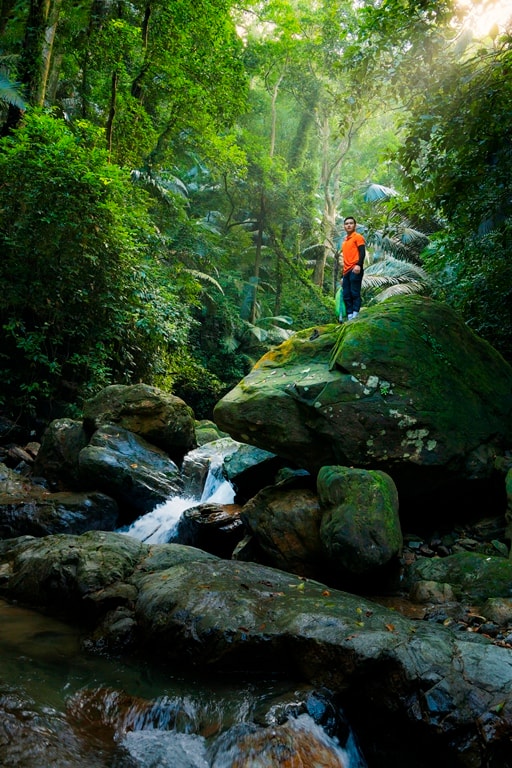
(112, 111)
(35, 59)
(257, 258)
(330, 180)
(50, 30)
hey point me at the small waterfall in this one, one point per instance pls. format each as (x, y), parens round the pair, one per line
(159, 526)
(298, 741)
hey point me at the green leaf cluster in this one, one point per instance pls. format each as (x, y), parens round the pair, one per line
(83, 303)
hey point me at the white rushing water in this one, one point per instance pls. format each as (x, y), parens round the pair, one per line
(159, 526)
(169, 749)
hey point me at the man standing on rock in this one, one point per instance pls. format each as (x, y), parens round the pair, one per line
(354, 252)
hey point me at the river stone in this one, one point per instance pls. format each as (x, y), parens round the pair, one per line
(498, 610)
(297, 742)
(159, 417)
(41, 513)
(360, 527)
(231, 615)
(432, 592)
(472, 575)
(16, 486)
(285, 521)
(214, 528)
(137, 474)
(57, 458)
(406, 388)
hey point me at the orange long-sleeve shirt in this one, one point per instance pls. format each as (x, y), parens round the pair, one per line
(350, 251)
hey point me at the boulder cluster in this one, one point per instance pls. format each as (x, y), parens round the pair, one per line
(367, 547)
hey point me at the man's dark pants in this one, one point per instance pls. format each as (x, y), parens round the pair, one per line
(352, 291)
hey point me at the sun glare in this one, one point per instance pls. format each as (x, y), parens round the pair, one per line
(487, 16)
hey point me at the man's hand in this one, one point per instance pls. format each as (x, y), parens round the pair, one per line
(356, 270)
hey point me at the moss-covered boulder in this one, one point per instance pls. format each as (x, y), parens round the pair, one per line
(406, 388)
(360, 528)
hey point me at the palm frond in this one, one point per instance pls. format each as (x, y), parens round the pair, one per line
(276, 320)
(202, 277)
(401, 289)
(159, 185)
(414, 237)
(9, 92)
(379, 193)
(391, 276)
(390, 267)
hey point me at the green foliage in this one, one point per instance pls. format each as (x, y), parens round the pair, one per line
(458, 165)
(81, 304)
(474, 275)
(181, 271)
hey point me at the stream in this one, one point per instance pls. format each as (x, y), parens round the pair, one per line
(62, 707)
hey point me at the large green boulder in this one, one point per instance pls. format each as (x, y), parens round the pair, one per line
(360, 528)
(406, 388)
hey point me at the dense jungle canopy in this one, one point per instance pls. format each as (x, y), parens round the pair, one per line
(174, 176)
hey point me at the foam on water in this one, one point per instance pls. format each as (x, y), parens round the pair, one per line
(159, 526)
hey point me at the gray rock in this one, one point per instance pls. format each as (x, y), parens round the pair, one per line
(157, 416)
(137, 474)
(42, 513)
(57, 458)
(196, 610)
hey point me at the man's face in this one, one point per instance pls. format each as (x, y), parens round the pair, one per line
(350, 226)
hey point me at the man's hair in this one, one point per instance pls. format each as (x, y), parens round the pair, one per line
(348, 218)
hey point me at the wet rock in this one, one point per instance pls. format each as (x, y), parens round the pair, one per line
(137, 474)
(215, 528)
(57, 458)
(162, 419)
(194, 609)
(432, 592)
(296, 742)
(42, 513)
(499, 610)
(472, 575)
(285, 521)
